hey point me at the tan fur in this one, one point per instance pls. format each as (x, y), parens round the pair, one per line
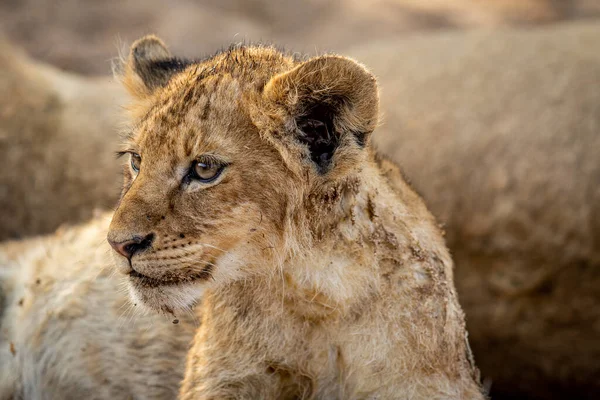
(58, 134)
(500, 133)
(317, 278)
(68, 331)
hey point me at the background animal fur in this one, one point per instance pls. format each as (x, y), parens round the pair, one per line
(58, 136)
(68, 330)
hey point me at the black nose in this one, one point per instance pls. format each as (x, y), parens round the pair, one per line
(136, 244)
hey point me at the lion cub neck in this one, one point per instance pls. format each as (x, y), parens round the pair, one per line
(335, 268)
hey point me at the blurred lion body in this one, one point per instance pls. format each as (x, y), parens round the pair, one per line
(510, 122)
(67, 330)
(58, 133)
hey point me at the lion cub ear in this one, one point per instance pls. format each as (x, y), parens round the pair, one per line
(331, 104)
(149, 66)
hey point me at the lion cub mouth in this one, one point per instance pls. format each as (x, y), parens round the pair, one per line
(170, 279)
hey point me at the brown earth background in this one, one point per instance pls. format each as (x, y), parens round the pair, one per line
(82, 36)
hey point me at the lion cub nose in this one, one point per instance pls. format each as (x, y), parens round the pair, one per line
(134, 245)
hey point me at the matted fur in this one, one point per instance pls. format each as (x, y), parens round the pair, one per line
(317, 277)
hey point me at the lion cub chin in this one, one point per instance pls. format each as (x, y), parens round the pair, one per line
(253, 187)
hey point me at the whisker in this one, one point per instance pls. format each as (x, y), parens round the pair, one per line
(213, 247)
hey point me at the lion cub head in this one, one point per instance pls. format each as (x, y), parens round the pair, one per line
(223, 155)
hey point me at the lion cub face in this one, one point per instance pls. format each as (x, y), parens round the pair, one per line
(222, 154)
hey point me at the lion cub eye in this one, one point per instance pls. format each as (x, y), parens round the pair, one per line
(206, 171)
(136, 160)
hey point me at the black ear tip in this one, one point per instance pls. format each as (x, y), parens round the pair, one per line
(149, 48)
(150, 60)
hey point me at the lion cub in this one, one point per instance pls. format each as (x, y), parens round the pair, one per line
(253, 188)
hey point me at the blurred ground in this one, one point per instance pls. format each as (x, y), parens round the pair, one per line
(82, 35)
